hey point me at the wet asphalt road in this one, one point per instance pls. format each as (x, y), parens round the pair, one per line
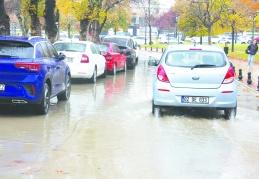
(106, 130)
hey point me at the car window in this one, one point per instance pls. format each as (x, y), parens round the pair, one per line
(16, 49)
(52, 51)
(115, 49)
(102, 47)
(45, 52)
(130, 43)
(192, 58)
(73, 47)
(118, 41)
(93, 49)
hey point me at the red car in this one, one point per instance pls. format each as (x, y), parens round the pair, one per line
(115, 59)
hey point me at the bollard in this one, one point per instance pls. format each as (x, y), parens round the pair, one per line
(145, 47)
(258, 84)
(234, 68)
(240, 77)
(157, 49)
(162, 49)
(249, 80)
(151, 48)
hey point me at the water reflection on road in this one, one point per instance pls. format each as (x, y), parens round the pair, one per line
(106, 130)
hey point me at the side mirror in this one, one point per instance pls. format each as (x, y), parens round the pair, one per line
(153, 62)
(61, 56)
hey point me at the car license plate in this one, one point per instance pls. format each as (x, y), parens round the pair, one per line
(195, 99)
(2, 87)
(70, 60)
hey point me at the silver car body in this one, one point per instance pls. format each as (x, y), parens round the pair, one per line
(190, 86)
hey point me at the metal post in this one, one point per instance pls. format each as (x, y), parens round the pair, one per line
(253, 29)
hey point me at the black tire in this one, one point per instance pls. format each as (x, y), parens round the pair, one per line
(104, 73)
(156, 110)
(125, 67)
(93, 78)
(114, 69)
(230, 113)
(43, 107)
(66, 94)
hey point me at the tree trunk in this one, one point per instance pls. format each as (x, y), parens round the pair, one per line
(96, 31)
(209, 34)
(18, 15)
(35, 21)
(51, 28)
(83, 28)
(4, 20)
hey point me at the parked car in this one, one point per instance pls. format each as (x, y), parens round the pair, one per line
(115, 59)
(32, 72)
(83, 58)
(126, 44)
(196, 77)
(141, 40)
(169, 40)
(137, 49)
(75, 37)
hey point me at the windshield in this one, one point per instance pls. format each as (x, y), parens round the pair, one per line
(118, 41)
(192, 58)
(74, 47)
(102, 47)
(14, 49)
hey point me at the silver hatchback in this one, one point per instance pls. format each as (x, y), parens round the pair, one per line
(194, 76)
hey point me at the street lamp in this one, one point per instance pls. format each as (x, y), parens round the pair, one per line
(57, 30)
(253, 26)
(145, 24)
(177, 36)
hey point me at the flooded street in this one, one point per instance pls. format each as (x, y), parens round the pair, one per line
(106, 130)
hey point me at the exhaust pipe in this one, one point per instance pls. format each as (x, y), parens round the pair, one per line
(17, 101)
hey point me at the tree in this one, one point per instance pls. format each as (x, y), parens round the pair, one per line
(118, 18)
(147, 8)
(165, 21)
(51, 19)
(207, 12)
(4, 20)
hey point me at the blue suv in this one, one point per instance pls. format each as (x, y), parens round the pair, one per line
(32, 72)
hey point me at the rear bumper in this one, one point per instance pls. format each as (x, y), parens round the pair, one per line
(224, 97)
(109, 65)
(17, 101)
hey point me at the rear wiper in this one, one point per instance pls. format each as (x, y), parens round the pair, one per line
(202, 65)
(8, 56)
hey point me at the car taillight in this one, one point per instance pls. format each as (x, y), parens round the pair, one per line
(28, 66)
(230, 76)
(161, 74)
(84, 59)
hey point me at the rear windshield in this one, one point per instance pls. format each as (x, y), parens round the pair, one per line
(118, 41)
(72, 47)
(102, 47)
(14, 49)
(191, 58)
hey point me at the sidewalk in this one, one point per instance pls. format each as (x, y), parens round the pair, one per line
(243, 65)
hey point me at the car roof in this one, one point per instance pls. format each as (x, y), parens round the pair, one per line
(76, 42)
(32, 40)
(117, 36)
(192, 47)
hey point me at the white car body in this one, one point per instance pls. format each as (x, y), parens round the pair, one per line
(165, 40)
(194, 76)
(76, 59)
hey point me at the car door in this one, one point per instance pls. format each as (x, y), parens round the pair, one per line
(98, 58)
(117, 56)
(60, 68)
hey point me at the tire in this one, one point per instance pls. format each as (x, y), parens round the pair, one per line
(114, 69)
(66, 95)
(93, 78)
(43, 107)
(156, 110)
(104, 73)
(125, 67)
(230, 113)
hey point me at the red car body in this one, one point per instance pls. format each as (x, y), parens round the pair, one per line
(115, 59)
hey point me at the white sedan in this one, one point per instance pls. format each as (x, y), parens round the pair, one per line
(83, 58)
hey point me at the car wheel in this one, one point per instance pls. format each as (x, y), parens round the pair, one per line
(104, 73)
(230, 113)
(66, 95)
(125, 67)
(114, 69)
(93, 78)
(156, 110)
(43, 107)
(131, 66)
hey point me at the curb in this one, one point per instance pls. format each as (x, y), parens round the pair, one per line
(247, 86)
